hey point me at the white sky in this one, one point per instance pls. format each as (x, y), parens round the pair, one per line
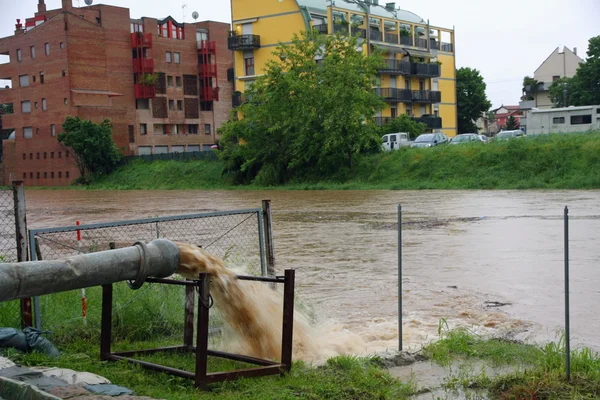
(505, 40)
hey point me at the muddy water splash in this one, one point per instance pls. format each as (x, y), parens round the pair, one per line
(252, 311)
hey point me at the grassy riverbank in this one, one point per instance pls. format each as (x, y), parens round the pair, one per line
(544, 162)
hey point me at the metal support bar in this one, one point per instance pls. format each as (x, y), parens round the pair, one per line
(35, 278)
(400, 277)
(567, 313)
(287, 336)
(202, 331)
(188, 317)
(270, 252)
(106, 330)
(21, 235)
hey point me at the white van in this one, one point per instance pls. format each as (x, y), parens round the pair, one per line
(393, 141)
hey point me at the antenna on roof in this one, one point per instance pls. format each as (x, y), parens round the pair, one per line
(183, 6)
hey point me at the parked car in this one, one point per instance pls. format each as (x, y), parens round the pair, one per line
(506, 135)
(484, 138)
(393, 141)
(430, 140)
(465, 138)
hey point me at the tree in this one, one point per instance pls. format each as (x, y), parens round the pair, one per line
(404, 123)
(531, 87)
(512, 124)
(585, 88)
(470, 98)
(93, 148)
(557, 91)
(310, 114)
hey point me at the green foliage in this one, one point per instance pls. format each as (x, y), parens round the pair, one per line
(149, 79)
(471, 99)
(512, 124)
(585, 87)
(404, 124)
(557, 91)
(93, 148)
(304, 118)
(404, 32)
(530, 88)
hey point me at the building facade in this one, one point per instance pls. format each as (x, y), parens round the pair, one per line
(419, 78)
(161, 83)
(564, 120)
(559, 64)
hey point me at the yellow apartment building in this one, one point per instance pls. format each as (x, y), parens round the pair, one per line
(419, 78)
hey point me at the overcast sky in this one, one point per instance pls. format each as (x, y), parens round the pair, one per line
(504, 40)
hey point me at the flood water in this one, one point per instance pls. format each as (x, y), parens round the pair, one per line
(464, 252)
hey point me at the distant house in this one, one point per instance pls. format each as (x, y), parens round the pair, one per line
(504, 112)
(558, 65)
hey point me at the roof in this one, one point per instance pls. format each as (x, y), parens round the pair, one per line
(562, 109)
(320, 6)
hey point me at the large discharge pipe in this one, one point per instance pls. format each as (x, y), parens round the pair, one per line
(159, 258)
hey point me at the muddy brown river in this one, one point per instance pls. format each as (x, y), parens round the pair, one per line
(488, 260)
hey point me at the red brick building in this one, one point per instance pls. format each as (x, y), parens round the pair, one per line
(163, 85)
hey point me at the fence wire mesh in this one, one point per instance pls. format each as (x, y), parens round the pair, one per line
(10, 311)
(155, 311)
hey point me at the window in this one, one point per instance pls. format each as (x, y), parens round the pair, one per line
(62, 45)
(24, 175)
(35, 104)
(178, 81)
(168, 55)
(47, 48)
(52, 130)
(23, 80)
(52, 174)
(143, 129)
(31, 175)
(131, 135)
(192, 128)
(207, 129)
(171, 105)
(60, 154)
(555, 78)
(142, 104)
(67, 154)
(32, 51)
(37, 156)
(206, 106)
(19, 55)
(26, 106)
(179, 105)
(64, 73)
(581, 119)
(31, 156)
(41, 76)
(176, 58)
(45, 174)
(28, 134)
(51, 154)
(37, 175)
(33, 77)
(249, 64)
(65, 101)
(169, 81)
(558, 120)
(43, 104)
(24, 156)
(59, 174)
(67, 174)
(45, 155)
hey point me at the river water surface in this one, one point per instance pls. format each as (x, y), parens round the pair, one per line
(487, 260)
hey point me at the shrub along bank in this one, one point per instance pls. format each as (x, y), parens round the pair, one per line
(570, 161)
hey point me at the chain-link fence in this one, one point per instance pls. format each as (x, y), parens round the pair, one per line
(10, 312)
(155, 310)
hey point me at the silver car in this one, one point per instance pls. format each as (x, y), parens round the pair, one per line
(430, 140)
(465, 138)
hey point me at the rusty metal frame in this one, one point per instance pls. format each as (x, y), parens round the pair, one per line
(200, 376)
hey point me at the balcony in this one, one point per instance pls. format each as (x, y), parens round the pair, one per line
(340, 28)
(432, 70)
(448, 47)
(144, 91)
(406, 40)
(527, 105)
(375, 35)
(420, 42)
(207, 46)
(409, 96)
(139, 39)
(208, 70)
(396, 67)
(391, 37)
(143, 66)
(209, 94)
(360, 32)
(434, 44)
(322, 29)
(431, 122)
(237, 99)
(243, 42)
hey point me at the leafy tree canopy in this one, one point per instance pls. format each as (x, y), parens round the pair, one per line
(512, 124)
(310, 114)
(92, 145)
(471, 99)
(404, 124)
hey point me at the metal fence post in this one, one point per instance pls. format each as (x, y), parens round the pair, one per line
(266, 207)
(21, 235)
(400, 276)
(567, 316)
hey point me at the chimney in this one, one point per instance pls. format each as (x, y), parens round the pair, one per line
(575, 50)
(390, 6)
(41, 6)
(67, 4)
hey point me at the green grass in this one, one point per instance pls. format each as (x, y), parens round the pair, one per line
(567, 161)
(339, 378)
(539, 371)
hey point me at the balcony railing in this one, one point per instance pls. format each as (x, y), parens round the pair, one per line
(144, 91)
(426, 70)
(375, 35)
(143, 65)
(243, 42)
(340, 28)
(207, 70)
(420, 42)
(431, 121)
(447, 47)
(406, 40)
(391, 37)
(207, 46)
(409, 96)
(397, 67)
(360, 32)
(238, 99)
(140, 39)
(322, 29)
(434, 44)
(209, 94)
